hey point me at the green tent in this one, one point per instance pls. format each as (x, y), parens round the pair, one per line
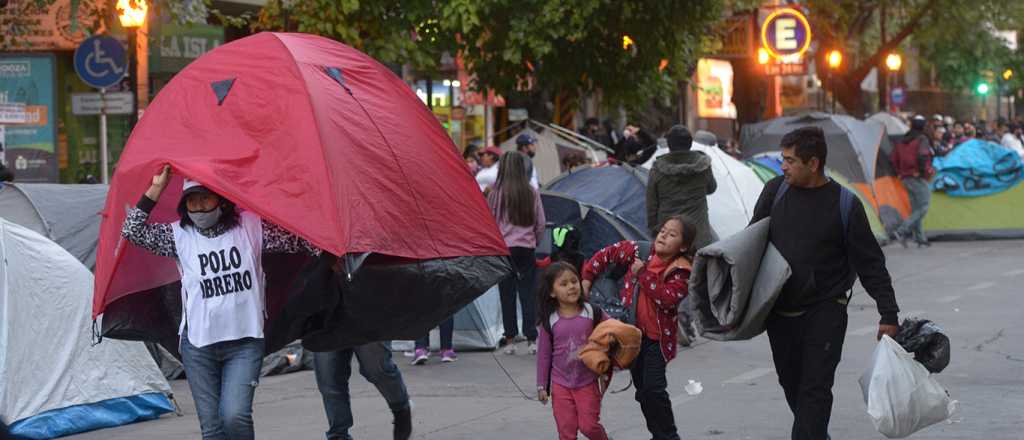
(995, 216)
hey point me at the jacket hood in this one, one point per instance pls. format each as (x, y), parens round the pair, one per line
(682, 163)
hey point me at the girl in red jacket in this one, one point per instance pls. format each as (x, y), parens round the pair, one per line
(659, 283)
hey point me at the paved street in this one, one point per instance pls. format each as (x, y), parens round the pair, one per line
(970, 289)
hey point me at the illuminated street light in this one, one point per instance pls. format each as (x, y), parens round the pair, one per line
(627, 42)
(893, 62)
(131, 13)
(835, 59)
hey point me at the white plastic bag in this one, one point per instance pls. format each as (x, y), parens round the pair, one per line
(901, 395)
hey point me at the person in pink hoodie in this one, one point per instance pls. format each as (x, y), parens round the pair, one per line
(520, 216)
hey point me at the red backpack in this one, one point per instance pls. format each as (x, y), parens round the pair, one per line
(904, 158)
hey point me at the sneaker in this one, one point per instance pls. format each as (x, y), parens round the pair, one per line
(924, 244)
(532, 346)
(403, 424)
(421, 356)
(448, 356)
(510, 349)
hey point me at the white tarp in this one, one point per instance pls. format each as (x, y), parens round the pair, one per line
(47, 360)
(731, 206)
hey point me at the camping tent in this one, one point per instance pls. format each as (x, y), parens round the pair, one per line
(478, 326)
(857, 150)
(53, 381)
(66, 214)
(731, 206)
(599, 227)
(894, 126)
(554, 143)
(977, 194)
(621, 189)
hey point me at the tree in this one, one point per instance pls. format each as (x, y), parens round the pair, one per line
(629, 50)
(391, 31)
(855, 26)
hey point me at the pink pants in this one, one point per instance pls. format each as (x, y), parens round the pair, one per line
(578, 410)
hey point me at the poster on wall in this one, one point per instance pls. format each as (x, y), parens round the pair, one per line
(714, 89)
(30, 147)
(50, 25)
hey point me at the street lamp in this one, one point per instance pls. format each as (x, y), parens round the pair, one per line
(834, 58)
(893, 61)
(132, 15)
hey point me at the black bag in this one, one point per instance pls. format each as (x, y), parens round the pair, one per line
(926, 340)
(605, 290)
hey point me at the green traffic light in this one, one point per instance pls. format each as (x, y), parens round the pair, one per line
(982, 89)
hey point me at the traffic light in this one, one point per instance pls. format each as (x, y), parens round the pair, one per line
(1007, 74)
(982, 88)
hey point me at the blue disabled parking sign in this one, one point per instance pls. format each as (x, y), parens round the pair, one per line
(100, 61)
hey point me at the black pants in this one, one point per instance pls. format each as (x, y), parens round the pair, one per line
(648, 372)
(806, 350)
(520, 284)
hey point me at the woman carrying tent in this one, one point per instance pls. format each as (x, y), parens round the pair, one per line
(517, 208)
(218, 249)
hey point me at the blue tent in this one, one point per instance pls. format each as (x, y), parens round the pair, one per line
(977, 168)
(621, 189)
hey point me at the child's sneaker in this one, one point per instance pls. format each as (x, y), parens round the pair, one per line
(532, 346)
(448, 356)
(421, 356)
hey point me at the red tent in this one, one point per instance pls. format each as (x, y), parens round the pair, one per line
(316, 137)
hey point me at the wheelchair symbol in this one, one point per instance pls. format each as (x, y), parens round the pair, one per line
(99, 65)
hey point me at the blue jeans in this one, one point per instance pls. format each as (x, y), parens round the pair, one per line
(920, 193)
(333, 370)
(223, 378)
(447, 329)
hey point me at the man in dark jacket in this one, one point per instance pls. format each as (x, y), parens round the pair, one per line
(917, 180)
(807, 326)
(680, 182)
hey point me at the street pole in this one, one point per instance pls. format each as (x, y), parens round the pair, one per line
(104, 154)
(133, 117)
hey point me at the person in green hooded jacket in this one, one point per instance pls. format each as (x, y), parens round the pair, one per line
(679, 183)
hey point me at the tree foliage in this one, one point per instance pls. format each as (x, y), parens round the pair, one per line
(950, 35)
(392, 31)
(579, 44)
(510, 45)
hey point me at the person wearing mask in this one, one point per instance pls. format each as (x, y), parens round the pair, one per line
(526, 145)
(912, 160)
(488, 173)
(679, 183)
(807, 326)
(219, 249)
(517, 208)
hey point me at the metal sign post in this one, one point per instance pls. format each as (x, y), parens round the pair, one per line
(103, 138)
(100, 62)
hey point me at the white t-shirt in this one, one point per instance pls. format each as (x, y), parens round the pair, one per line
(1010, 141)
(222, 282)
(487, 176)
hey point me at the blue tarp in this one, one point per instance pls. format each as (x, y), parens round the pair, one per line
(977, 168)
(619, 189)
(81, 418)
(773, 162)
